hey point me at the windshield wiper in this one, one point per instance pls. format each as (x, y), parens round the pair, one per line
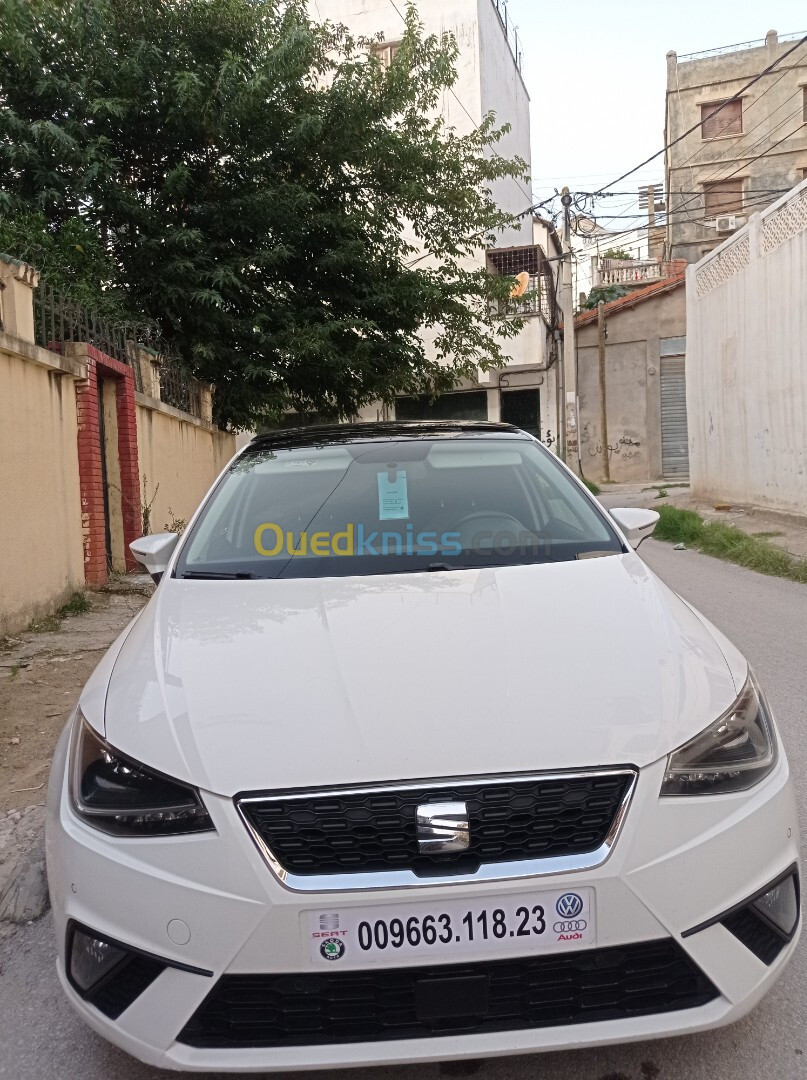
(207, 575)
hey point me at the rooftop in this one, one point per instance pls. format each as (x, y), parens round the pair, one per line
(636, 297)
(759, 43)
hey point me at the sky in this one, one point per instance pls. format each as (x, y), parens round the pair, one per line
(596, 73)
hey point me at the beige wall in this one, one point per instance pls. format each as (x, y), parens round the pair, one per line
(41, 554)
(179, 460)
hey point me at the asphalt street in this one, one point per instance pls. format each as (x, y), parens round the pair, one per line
(41, 1039)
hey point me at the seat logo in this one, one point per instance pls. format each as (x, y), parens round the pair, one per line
(443, 826)
(569, 905)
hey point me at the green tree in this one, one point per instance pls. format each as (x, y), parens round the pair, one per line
(262, 187)
(606, 293)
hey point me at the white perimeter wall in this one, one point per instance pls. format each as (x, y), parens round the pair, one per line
(747, 362)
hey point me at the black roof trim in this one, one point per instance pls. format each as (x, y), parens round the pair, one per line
(328, 434)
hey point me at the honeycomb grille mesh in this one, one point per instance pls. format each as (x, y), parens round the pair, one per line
(376, 1005)
(375, 830)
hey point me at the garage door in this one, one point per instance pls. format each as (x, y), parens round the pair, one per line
(674, 436)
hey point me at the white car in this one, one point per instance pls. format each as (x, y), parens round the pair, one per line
(410, 757)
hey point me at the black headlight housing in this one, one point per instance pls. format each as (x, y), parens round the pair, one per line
(112, 793)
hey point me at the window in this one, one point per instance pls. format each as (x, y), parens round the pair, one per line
(802, 172)
(385, 506)
(385, 51)
(804, 104)
(723, 197)
(729, 121)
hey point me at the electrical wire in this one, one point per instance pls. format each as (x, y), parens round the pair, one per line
(735, 97)
(745, 134)
(612, 237)
(744, 164)
(745, 160)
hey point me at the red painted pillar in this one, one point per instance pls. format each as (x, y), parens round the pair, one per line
(129, 468)
(91, 478)
(89, 459)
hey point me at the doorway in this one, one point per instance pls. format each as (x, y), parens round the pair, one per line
(523, 409)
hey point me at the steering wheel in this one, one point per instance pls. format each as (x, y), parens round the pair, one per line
(490, 522)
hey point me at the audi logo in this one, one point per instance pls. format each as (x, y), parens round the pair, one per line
(568, 926)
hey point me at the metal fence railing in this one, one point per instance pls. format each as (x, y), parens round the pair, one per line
(179, 388)
(59, 320)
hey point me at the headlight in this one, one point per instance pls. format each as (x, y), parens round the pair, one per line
(117, 795)
(733, 754)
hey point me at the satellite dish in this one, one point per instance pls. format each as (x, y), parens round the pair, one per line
(521, 285)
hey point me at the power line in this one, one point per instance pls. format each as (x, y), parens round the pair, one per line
(719, 108)
(614, 236)
(745, 161)
(748, 161)
(745, 134)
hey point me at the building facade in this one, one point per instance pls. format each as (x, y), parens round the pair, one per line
(744, 156)
(644, 376)
(489, 79)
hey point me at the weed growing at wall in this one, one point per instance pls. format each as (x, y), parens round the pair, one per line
(678, 526)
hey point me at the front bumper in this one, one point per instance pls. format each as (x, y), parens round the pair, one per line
(678, 863)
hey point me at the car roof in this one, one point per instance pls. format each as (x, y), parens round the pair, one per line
(382, 431)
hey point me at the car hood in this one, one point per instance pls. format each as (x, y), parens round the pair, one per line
(248, 685)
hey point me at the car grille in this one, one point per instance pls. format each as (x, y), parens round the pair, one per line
(377, 1005)
(374, 829)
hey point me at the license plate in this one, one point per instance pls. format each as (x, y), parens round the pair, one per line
(523, 923)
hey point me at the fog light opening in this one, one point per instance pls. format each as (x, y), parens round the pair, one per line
(779, 906)
(92, 959)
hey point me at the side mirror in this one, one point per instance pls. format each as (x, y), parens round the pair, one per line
(635, 523)
(154, 552)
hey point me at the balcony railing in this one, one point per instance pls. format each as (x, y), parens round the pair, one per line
(510, 31)
(629, 272)
(740, 46)
(540, 296)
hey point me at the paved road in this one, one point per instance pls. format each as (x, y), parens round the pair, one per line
(40, 1039)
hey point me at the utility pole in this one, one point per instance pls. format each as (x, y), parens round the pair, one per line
(567, 388)
(606, 466)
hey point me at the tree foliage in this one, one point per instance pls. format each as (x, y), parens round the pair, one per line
(262, 187)
(604, 293)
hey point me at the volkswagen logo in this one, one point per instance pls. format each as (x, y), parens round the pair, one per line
(443, 827)
(569, 905)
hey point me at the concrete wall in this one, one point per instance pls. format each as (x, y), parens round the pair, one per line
(41, 551)
(503, 92)
(772, 114)
(488, 79)
(632, 387)
(179, 457)
(746, 362)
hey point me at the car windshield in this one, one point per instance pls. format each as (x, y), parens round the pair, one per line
(393, 506)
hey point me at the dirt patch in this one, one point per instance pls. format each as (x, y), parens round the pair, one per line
(41, 676)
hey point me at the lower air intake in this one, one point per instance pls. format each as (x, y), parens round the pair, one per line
(503, 995)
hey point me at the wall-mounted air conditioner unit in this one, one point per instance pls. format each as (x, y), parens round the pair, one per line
(728, 223)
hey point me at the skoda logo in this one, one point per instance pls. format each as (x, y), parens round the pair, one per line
(569, 905)
(332, 949)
